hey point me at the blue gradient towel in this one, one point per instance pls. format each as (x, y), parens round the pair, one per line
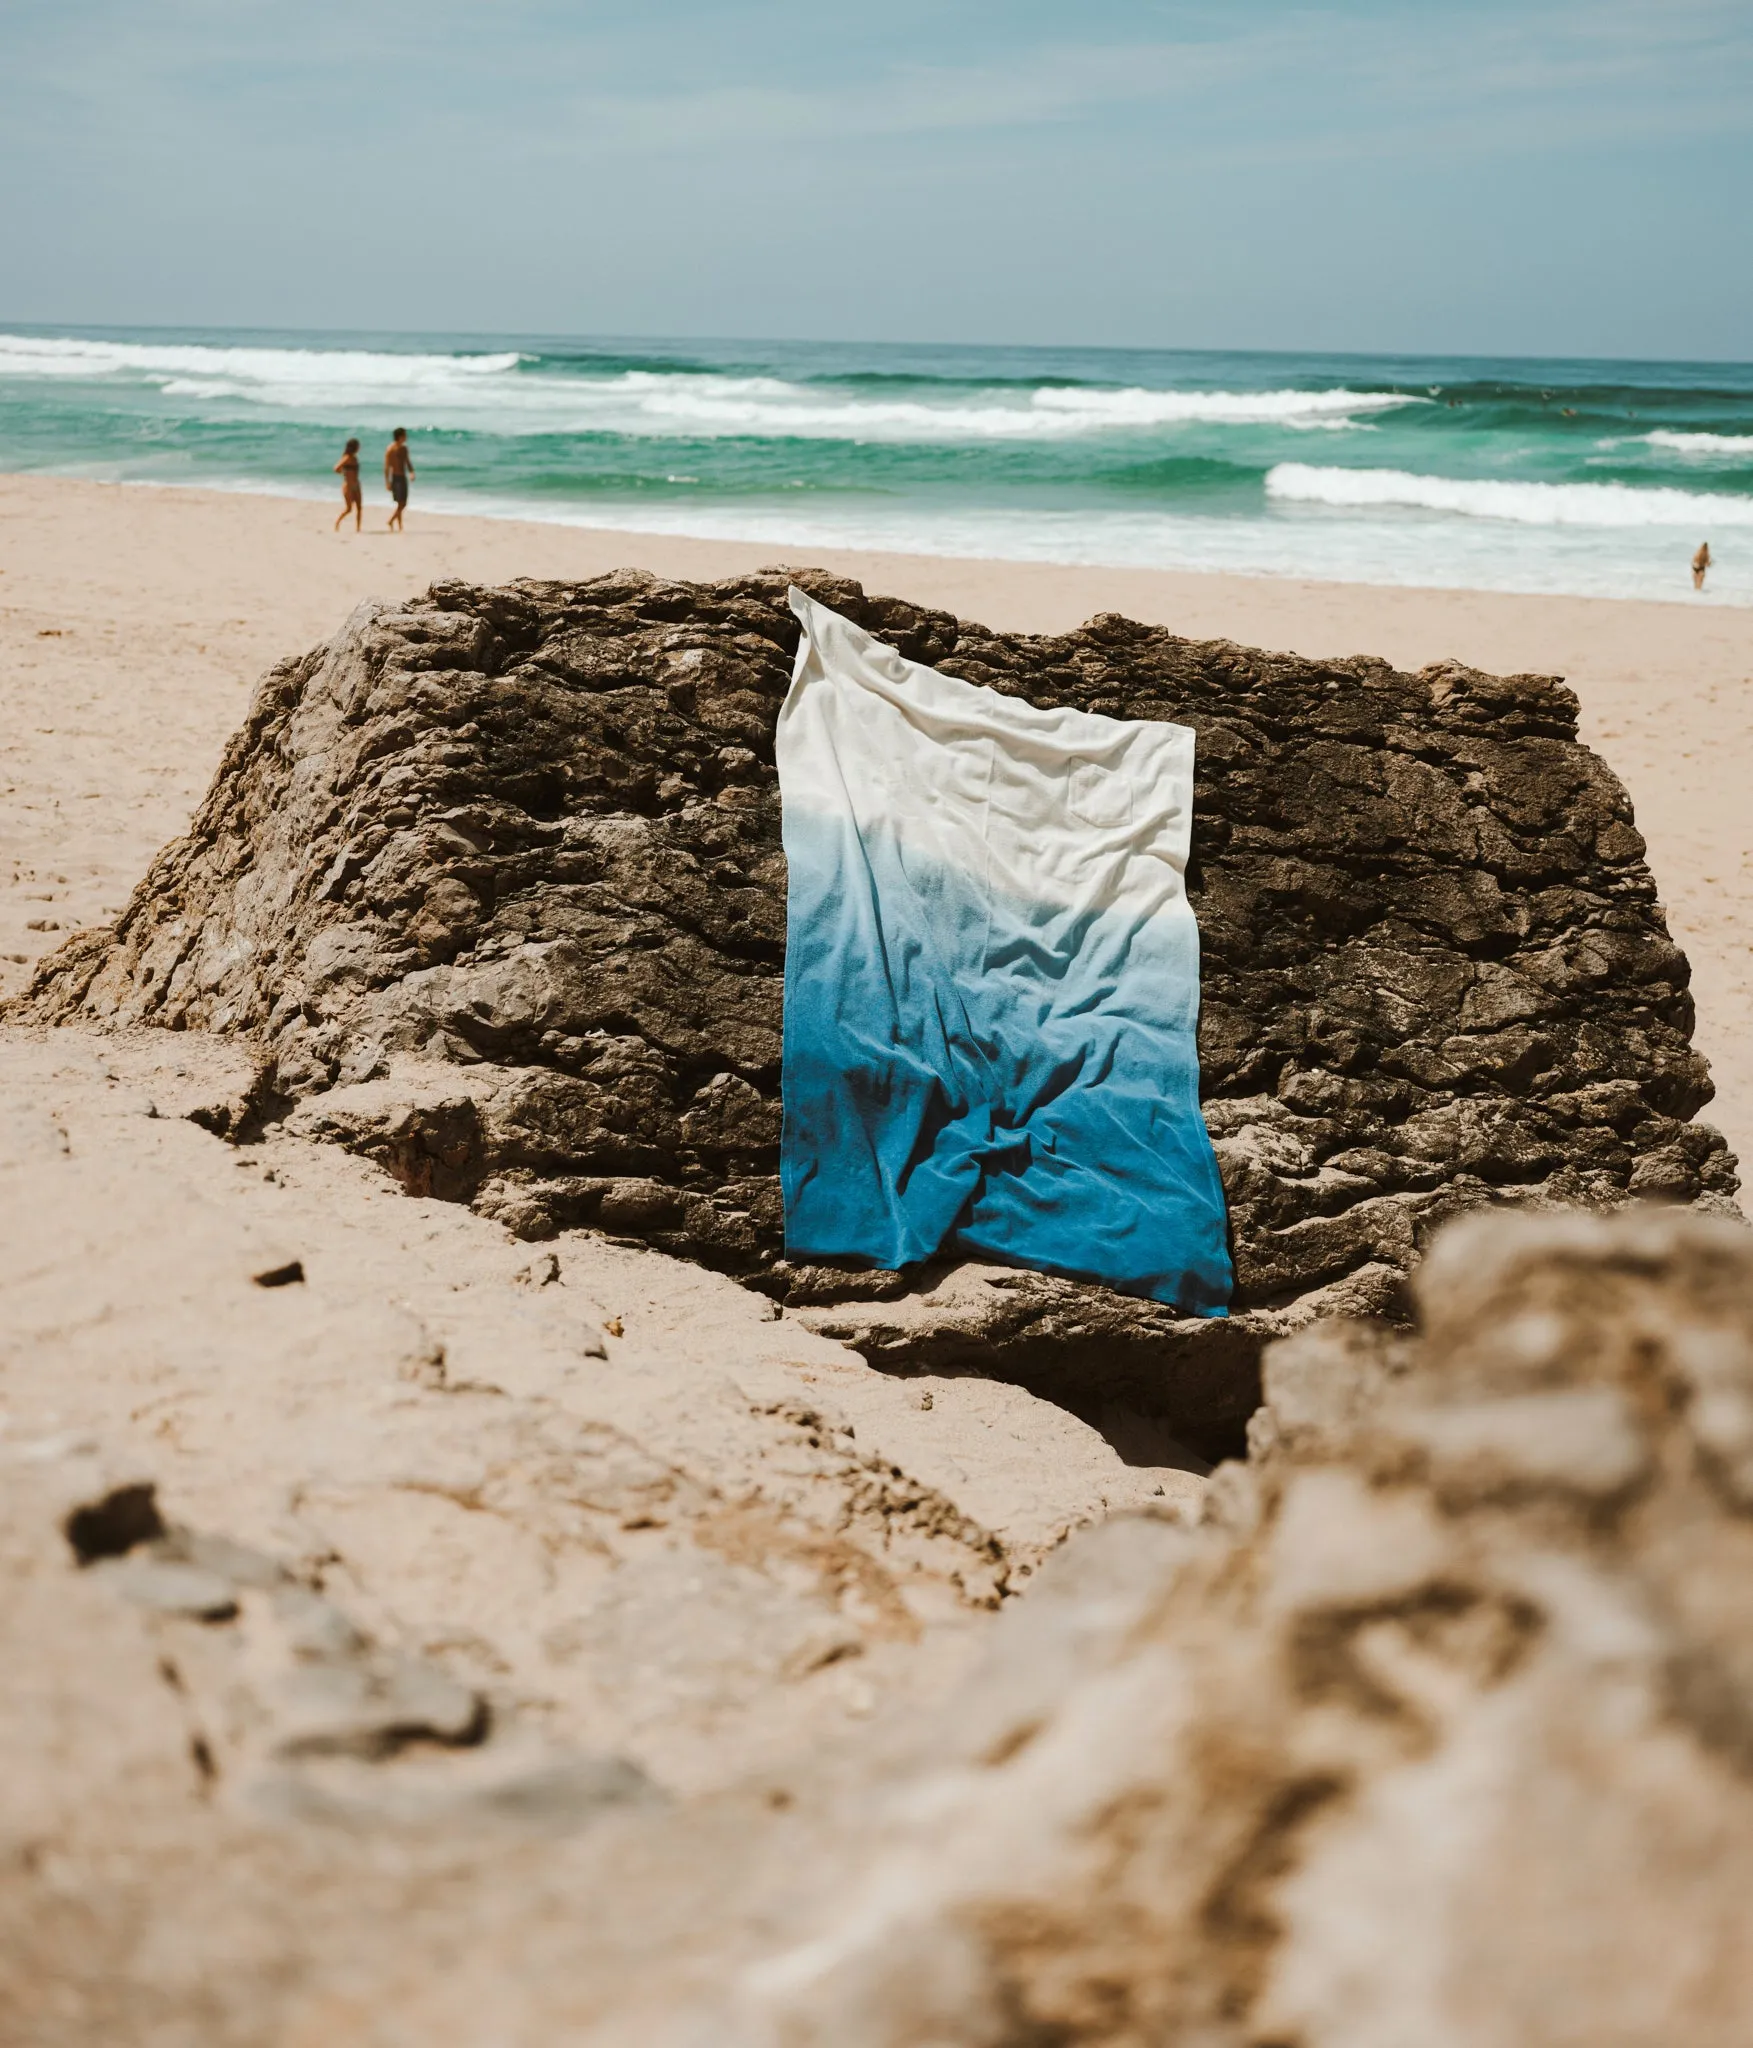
(991, 980)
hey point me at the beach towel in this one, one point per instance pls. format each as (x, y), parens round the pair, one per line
(991, 980)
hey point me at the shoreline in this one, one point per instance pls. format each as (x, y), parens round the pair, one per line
(134, 618)
(657, 536)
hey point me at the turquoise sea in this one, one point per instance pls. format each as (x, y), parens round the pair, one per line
(1598, 478)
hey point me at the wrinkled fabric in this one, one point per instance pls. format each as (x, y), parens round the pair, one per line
(991, 980)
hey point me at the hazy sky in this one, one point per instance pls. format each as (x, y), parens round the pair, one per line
(1536, 176)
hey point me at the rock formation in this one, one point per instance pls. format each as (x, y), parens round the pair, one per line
(494, 882)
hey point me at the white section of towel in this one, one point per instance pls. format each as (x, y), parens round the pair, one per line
(1058, 807)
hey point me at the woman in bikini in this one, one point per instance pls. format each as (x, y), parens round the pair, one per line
(352, 498)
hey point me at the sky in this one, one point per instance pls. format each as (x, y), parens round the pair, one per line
(1536, 177)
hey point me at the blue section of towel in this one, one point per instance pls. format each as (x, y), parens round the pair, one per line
(964, 1071)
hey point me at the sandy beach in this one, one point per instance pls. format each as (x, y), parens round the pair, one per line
(133, 622)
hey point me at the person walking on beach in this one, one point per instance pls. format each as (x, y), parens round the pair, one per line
(1700, 563)
(352, 498)
(398, 468)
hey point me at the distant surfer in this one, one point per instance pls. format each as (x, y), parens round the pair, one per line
(1700, 565)
(398, 468)
(352, 498)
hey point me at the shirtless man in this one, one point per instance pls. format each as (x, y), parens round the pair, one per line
(352, 499)
(398, 468)
(1700, 563)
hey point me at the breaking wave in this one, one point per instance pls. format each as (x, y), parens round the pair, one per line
(641, 401)
(1528, 504)
(167, 364)
(1700, 444)
(515, 392)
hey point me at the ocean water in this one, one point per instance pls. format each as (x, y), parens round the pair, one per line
(1588, 477)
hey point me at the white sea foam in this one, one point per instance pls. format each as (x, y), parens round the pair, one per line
(164, 364)
(682, 402)
(1138, 408)
(648, 401)
(503, 393)
(1528, 504)
(1700, 444)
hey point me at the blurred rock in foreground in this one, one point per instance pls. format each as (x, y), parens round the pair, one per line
(1436, 1730)
(1439, 1730)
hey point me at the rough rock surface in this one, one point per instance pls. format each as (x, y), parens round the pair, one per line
(494, 882)
(1437, 1730)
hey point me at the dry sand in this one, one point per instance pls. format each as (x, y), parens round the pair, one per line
(133, 622)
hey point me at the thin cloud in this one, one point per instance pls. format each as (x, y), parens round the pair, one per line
(1349, 76)
(1605, 71)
